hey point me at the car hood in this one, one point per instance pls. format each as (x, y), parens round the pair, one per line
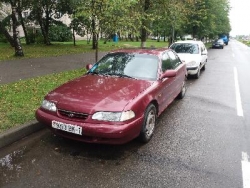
(189, 57)
(92, 93)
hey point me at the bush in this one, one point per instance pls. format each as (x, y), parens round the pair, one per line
(3, 39)
(39, 38)
(31, 36)
(60, 33)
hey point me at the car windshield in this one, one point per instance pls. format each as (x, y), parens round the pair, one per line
(185, 48)
(138, 66)
(219, 40)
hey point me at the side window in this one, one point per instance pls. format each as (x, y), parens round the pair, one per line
(202, 48)
(175, 61)
(166, 62)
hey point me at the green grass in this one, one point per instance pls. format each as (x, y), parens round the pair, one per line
(20, 100)
(246, 42)
(57, 49)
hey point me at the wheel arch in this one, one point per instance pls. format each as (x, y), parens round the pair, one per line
(155, 103)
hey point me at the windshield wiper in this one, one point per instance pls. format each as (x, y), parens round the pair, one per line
(119, 75)
(93, 72)
(124, 76)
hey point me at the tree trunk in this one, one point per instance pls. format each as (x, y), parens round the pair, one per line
(18, 46)
(194, 32)
(46, 28)
(94, 35)
(144, 24)
(4, 31)
(74, 37)
(40, 21)
(19, 11)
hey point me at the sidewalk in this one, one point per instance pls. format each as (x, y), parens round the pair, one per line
(15, 70)
(21, 69)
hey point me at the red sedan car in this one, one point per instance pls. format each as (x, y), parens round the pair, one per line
(118, 99)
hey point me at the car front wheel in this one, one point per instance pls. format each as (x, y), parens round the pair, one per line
(149, 123)
(183, 90)
(197, 75)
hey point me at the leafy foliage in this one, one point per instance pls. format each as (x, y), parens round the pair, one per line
(60, 33)
(131, 19)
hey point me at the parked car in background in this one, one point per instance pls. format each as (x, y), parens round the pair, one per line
(218, 43)
(225, 38)
(118, 99)
(193, 53)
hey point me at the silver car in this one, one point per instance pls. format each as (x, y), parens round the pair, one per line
(193, 53)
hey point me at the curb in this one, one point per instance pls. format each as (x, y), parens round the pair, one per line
(17, 133)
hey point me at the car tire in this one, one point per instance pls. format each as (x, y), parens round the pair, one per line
(183, 90)
(197, 75)
(204, 67)
(149, 123)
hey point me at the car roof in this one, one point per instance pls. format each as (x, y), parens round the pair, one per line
(150, 51)
(190, 41)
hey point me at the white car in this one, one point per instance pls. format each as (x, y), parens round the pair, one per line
(193, 53)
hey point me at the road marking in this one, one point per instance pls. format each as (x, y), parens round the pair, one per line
(237, 92)
(245, 164)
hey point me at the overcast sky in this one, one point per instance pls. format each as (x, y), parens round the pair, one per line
(240, 17)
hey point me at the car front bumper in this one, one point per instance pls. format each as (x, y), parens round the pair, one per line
(94, 133)
(192, 70)
(217, 46)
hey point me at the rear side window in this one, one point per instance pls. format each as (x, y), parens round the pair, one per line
(175, 61)
(170, 61)
(203, 48)
(166, 62)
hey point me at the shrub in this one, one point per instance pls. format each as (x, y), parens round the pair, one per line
(60, 33)
(3, 39)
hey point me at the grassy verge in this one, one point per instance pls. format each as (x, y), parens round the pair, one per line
(57, 49)
(20, 100)
(246, 42)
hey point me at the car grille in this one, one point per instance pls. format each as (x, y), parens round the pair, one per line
(72, 115)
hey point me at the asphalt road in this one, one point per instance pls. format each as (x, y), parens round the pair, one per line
(201, 141)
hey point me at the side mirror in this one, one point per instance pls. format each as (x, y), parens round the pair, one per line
(89, 66)
(169, 73)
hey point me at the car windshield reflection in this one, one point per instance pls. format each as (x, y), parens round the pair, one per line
(138, 66)
(185, 48)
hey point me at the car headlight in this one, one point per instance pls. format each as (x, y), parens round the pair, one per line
(49, 105)
(113, 116)
(191, 64)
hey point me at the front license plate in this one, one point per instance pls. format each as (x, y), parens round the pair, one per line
(67, 127)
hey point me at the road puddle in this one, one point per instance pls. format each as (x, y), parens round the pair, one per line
(11, 166)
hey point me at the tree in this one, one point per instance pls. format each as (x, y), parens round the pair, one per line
(80, 25)
(207, 17)
(100, 12)
(14, 39)
(145, 22)
(17, 43)
(4, 31)
(42, 12)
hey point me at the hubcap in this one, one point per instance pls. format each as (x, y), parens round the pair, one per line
(150, 125)
(183, 88)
